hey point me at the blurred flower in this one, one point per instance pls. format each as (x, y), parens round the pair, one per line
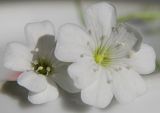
(37, 63)
(107, 59)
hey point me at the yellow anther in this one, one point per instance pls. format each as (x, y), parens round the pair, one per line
(48, 69)
(40, 68)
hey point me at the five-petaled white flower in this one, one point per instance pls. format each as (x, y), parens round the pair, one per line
(37, 63)
(107, 59)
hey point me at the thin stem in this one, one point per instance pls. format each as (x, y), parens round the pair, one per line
(158, 65)
(145, 16)
(78, 4)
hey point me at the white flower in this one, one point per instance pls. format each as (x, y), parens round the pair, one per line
(37, 63)
(107, 60)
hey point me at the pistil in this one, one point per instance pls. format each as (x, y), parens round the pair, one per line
(102, 56)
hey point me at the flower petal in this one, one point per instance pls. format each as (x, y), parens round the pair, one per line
(121, 42)
(83, 73)
(72, 42)
(46, 46)
(49, 94)
(98, 94)
(14, 76)
(17, 57)
(144, 60)
(127, 85)
(100, 18)
(32, 81)
(64, 81)
(36, 30)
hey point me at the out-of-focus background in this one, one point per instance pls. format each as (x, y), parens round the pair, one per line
(14, 14)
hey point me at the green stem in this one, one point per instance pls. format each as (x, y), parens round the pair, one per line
(145, 16)
(158, 65)
(80, 11)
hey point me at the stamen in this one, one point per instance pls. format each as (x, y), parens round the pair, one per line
(35, 50)
(43, 66)
(39, 68)
(48, 69)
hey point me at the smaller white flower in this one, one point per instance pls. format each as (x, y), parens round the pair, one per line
(107, 58)
(37, 64)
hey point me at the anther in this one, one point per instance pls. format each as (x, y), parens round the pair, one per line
(34, 51)
(39, 68)
(48, 69)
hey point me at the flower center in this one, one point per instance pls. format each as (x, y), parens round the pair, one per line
(43, 67)
(102, 56)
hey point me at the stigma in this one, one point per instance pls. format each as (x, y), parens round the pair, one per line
(102, 56)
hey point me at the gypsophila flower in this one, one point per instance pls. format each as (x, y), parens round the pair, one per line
(37, 64)
(107, 57)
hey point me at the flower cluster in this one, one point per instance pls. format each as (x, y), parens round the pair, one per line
(102, 61)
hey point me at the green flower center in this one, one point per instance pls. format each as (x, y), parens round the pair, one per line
(43, 67)
(102, 56)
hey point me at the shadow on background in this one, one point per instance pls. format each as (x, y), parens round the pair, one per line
(73, 102)
(17, 92)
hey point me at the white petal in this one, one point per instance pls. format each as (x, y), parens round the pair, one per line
(46, 46)
(100, 18)
(72, 42)
(17, 57)
(127, 85)
(64, 80)
(51, 93)
(121, 41)
(36, 30)
(32, 81)
(98, 94)
(83, 73)
(144, 60)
